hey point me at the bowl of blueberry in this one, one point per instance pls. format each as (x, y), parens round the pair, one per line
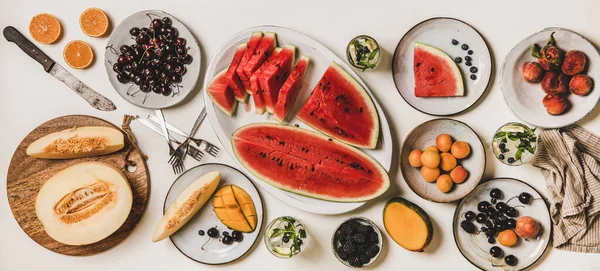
(153, 60)
(357, 242)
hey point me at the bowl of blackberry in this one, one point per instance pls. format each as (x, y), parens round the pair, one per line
(152, 60)
(357, 242)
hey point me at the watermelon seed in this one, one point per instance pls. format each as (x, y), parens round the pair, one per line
(354, 165)
(330, 139)
(432, 69)
(418, 64)
(360, 109)
(296, 125)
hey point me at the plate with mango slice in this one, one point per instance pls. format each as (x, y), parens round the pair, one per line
(213, 214)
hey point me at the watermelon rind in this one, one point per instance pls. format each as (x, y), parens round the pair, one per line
(449, 61)
(308, 133)
(372, 142)
(228, 112)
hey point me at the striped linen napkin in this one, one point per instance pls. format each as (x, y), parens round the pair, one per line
(570, 161)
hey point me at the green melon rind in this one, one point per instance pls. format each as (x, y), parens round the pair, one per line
(368, 101)
(441, 54)
(419, 212)
(382, 189)
(223, 109)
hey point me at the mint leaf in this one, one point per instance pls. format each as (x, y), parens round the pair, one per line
(374, 53)
(535, 51)
(518, 154)
(551, 39)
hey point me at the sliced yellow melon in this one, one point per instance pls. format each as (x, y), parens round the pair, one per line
(84, 203)
(77, 142)
(407, 224)
(234, 207)
(187, 204)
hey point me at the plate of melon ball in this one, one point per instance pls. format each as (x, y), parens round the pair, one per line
(442, 160)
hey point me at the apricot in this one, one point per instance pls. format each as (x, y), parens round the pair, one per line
(430, 159)
(444, 183)
(581, 84)
(460, 149)
(532, 72)
(554, 83)
(448, 161)
(414, 158)
(430, 174)
(432, 148)
(555, 104)
(443, 142)
(507, 238)
(459, 174)
(527, 227)
(574, 63)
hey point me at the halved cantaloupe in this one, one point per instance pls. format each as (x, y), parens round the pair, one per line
(407, 224)
(77, 142)
(187, 204)
(84, 203)
(235, 208)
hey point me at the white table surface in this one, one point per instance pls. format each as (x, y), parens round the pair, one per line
(29, 97)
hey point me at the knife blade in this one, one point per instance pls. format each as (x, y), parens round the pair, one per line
(94, 98)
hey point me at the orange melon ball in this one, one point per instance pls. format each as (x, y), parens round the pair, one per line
(430, 174)
(460, 149)
(414, 158)
(443, 142)
(447, 162)
(459, 174)
(507, 238)
(444, 183)
(430, 159)
(432, 148)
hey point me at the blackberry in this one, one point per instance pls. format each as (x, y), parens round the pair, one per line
(347, 228)
(343, 255)
(362, 228)
(468, 226)
(349, 248)
(355, 261)
(360, 250)
(338, 234)
(373, 238)
(364, 259)
(359, 238)
(372, 251)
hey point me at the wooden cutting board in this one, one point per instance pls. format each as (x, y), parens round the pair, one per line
(26, 175)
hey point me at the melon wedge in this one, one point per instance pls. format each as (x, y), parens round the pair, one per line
(407, 224)
(221, 94)
(290, 89)
(436, 74)
(262, 52)
(273, 77)
(77, 142)
(187, 204)
(235, 208)
(257, 92)
(233, 80)
(253, 42)
(341, 108)
(84, 203)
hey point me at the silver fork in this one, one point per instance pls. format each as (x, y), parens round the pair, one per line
(177, 158)
(162, 123)
(192, 151)
(208, 147)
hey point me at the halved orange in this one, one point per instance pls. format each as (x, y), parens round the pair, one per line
(93, 22)
(44, 28)
(78, 54)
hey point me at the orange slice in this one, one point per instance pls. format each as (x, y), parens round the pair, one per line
(93, 22)
(44, 28)
(78, 54)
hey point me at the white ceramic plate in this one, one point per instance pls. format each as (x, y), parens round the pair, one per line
(424, 136)
(476, 250)
(320, 59)
(129, 91)
(189, 242)
(525, 99)
(439, 32)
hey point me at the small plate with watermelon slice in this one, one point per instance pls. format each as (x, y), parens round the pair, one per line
(427, 73)
(333, 148)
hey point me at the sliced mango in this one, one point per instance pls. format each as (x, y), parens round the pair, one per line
(234, 207)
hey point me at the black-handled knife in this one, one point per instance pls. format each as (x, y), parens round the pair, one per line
(92, 97)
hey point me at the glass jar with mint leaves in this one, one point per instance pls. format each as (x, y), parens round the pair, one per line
(286, 237)
(514, 144)
(363, 52)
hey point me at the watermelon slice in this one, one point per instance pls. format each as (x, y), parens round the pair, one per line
(436, 74)
(252, 44)
(257, 93)
(341, 108)
(290, 89)
(262, 52)
(233, 80)
(273, 77)
(308, 163)
(221, 94)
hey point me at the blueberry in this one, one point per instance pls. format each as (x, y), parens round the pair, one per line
(473, 69)
(468, 58)
(502, 145)
(286, 239)
(501, 156)
(468, 63)
(464, 47)
(201, 232)
(458, 59)
(473, 77)
(454, 42)
(470, 52)
(511, 160)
